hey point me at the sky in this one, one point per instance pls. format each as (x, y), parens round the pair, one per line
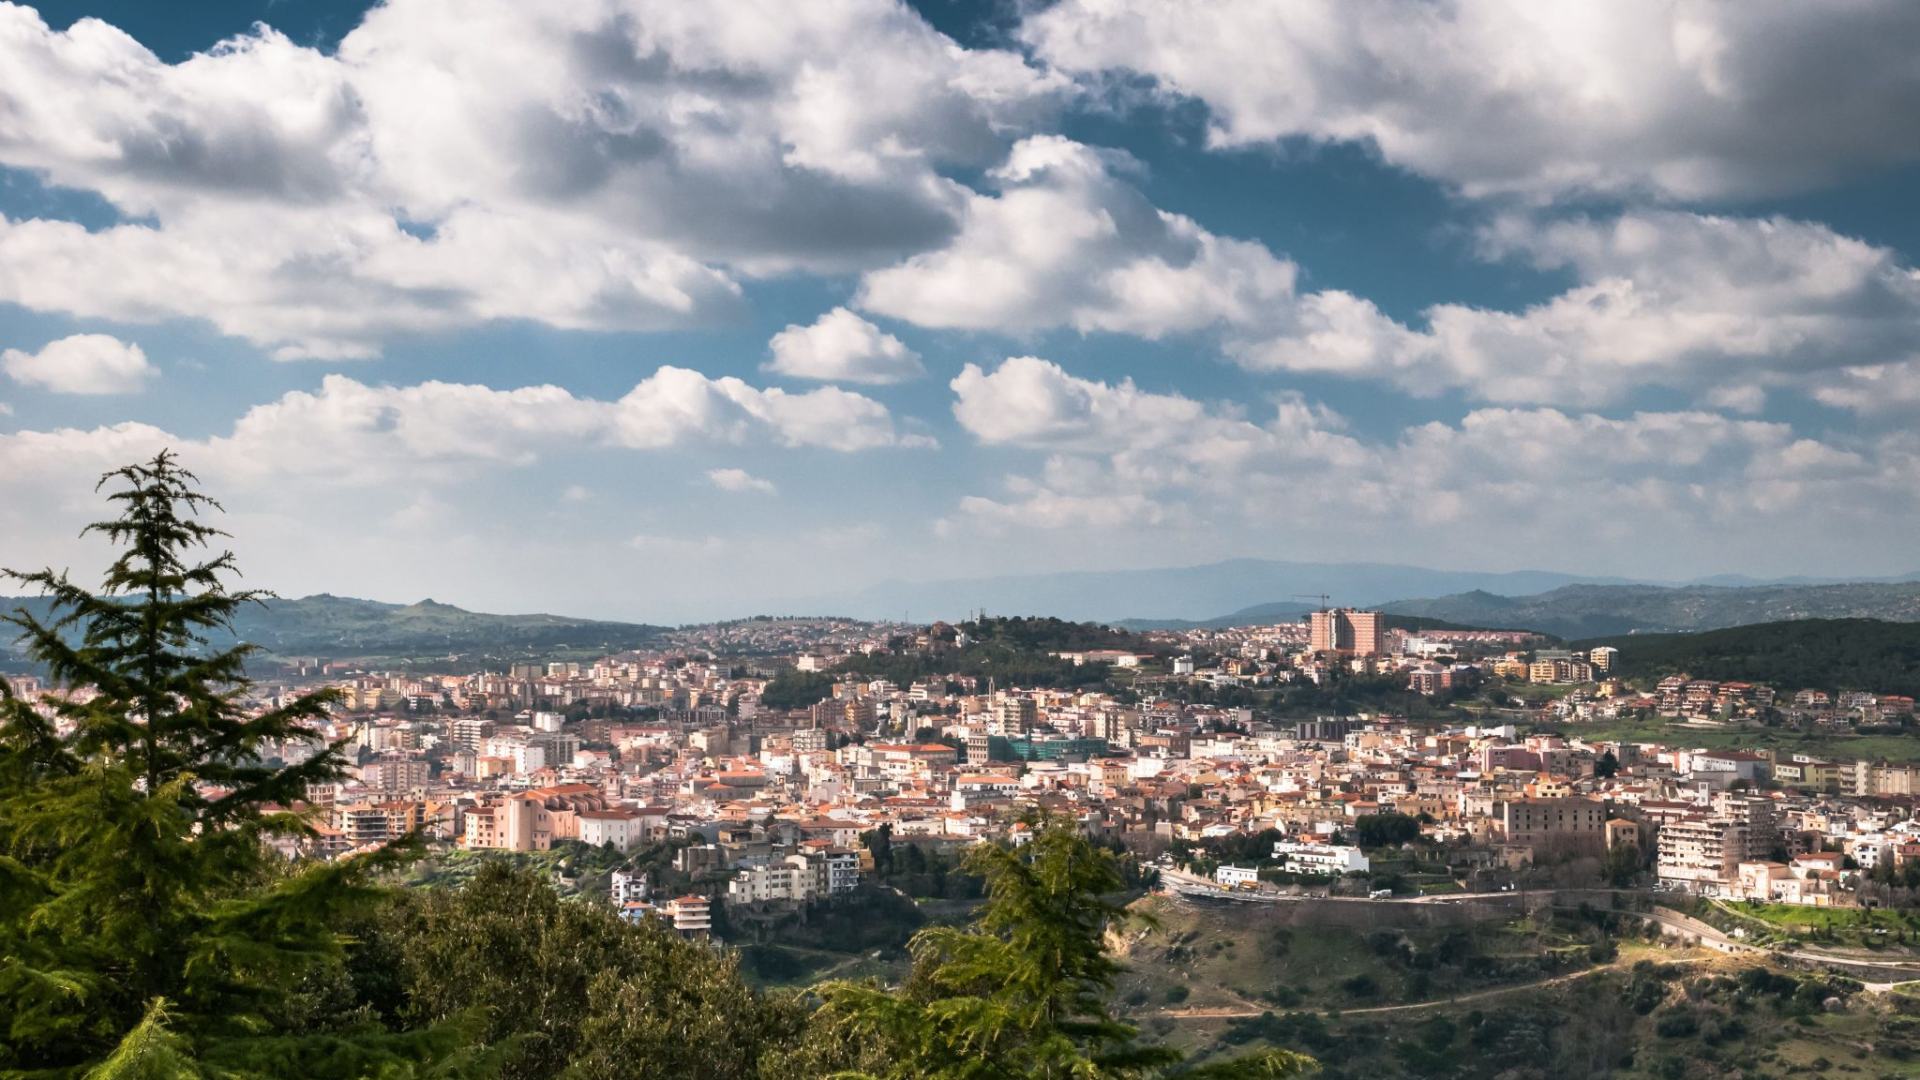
(669, 311)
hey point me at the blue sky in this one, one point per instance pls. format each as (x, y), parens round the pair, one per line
(668, 311)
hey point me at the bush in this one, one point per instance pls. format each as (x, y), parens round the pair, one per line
(1677, 1024)
(1362, 986)
(1177, 994)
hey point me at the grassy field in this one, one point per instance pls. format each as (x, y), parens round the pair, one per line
(1876, 929)
(1797, 915)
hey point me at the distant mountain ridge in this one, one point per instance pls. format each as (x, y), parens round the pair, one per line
(1184, 592)
(1249, 589)
(339, 626)
(1591, 611)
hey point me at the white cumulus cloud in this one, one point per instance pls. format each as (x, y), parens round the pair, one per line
(842, 347)
(1067, 241)
(81, 364)
(1720, 306)
(739, 480)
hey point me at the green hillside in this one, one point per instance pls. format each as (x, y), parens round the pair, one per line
(1828, 654)
(339, 626)
(1588, 611)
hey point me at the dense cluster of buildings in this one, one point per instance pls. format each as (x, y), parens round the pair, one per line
(768, 806)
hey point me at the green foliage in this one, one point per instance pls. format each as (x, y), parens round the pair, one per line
(1347, 695)
(1022, 992)
(1385, 830)
(1013, 651)
(1834, 654)
(793, 689)
(568, 988)
(144, 927)
(1624, 864)
(1048, 634)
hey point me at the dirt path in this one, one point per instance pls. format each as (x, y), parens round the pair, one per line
(1250, 1010)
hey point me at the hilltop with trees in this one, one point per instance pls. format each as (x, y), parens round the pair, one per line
(1831, 654)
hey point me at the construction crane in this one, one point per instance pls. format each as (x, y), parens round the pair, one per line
(1326, 602)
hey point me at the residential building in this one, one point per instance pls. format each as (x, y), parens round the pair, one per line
(1345, 630)
(1311, 857)
(1702, 854)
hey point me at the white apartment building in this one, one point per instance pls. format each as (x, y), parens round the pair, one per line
(1312, 858)
(798, 878)
(622, 827)
(692, 915)
(1701, 854)
(1234, 877)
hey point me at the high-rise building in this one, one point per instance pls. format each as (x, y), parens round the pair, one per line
(1344, 630)
(1013, 714)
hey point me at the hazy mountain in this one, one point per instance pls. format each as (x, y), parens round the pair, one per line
(1585, 611)
(339, 626)
(1268, 614)
(1185, 593)
(1258, 614)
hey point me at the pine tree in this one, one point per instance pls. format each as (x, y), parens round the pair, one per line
(1022, 992)
(146, 928)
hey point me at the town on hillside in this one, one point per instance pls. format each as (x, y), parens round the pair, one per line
(773, 765)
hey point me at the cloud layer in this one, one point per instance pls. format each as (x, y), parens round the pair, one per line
(1675, 99)
(1500, 483)
(1614, 343)
(350, 432)
(612, 166)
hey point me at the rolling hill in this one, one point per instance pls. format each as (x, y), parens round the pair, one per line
(339, 626)
(1588, 611)
(1824, 654)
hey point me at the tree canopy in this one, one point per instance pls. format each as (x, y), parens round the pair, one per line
(145, 926)
(1022, 992)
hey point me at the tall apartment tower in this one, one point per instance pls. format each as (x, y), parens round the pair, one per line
(1344, 630)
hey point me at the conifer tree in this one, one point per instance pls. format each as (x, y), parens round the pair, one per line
(146, 928)
(1022, 992)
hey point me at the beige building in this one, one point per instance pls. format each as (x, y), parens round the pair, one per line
(394, 773)
(531, 820)
(1570, 826)
(377, 823)
(1344, 630)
